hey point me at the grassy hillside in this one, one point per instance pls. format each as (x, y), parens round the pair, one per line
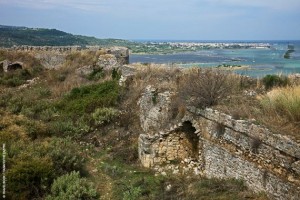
(71, 137)
(11, 35)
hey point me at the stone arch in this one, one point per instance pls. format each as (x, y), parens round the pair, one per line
(181, 144)
(14, 66)
(189, 141)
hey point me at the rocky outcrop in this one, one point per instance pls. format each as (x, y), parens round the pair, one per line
(213, 144)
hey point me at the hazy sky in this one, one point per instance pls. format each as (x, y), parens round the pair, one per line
(160, 19)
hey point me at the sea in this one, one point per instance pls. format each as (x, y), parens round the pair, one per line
(260, 61)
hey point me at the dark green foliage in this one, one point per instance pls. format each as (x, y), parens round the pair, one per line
(29, 178)
(116, 74)
(154, 98)
(96, 74)
(87, 98)
(65, 155)
(15, 78)
(72, 186)
(271, 81)
(10, 36)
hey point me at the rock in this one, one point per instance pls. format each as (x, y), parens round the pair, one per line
(121, 54)
(296, 167)
(108, 62)
(169, 187)
(84, 71)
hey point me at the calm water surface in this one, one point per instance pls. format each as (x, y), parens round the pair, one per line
(260, 61)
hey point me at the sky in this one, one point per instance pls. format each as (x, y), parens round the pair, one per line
(160, 19)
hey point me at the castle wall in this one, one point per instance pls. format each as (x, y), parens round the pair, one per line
(210, 143)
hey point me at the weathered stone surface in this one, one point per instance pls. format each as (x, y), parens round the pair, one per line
(154, 109)
(226, 148)
(108, 61)
(222, 164)
(55, 56)
(50, 60)
(296, 167)
(84, 71)
(7, 66)
(121, 54)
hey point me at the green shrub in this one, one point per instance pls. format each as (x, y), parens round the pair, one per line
(34, 129)
(15, 104)
(104, 115)
(132, 193)
(271, 81)
(71, 186)
(29, 179)
(96, 74)
(116, 74)
(65, 155)
(86, 99)
(45, 92)
(63, 126)
(15, 78)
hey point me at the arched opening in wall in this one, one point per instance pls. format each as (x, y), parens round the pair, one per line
(189, 142)
(14, 66)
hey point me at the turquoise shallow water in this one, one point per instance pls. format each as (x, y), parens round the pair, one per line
(260, 61)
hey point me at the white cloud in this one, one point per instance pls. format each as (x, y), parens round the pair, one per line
(267, 4)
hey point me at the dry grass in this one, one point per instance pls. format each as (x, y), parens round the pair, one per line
(26, 58)
(82, 58)
(281, 110)
(285, 101)
(163, 77)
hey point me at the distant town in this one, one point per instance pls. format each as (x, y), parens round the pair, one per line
(173, 47)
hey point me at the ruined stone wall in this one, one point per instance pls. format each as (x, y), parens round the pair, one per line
(55, 56)
(213, 144)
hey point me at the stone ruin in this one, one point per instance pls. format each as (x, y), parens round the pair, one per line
(6, 66)
(54, 56)
(212, 144)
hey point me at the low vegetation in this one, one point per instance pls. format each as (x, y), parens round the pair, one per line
(74, 137)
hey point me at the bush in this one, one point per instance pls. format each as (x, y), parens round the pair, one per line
(96, 74)
(132, 193)
(271, 81)
(86, 99)
(65, 155)
(15, 78)
(71, 186)
(116, 74)
(29, 179)
(104, 115)
(206, 87)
